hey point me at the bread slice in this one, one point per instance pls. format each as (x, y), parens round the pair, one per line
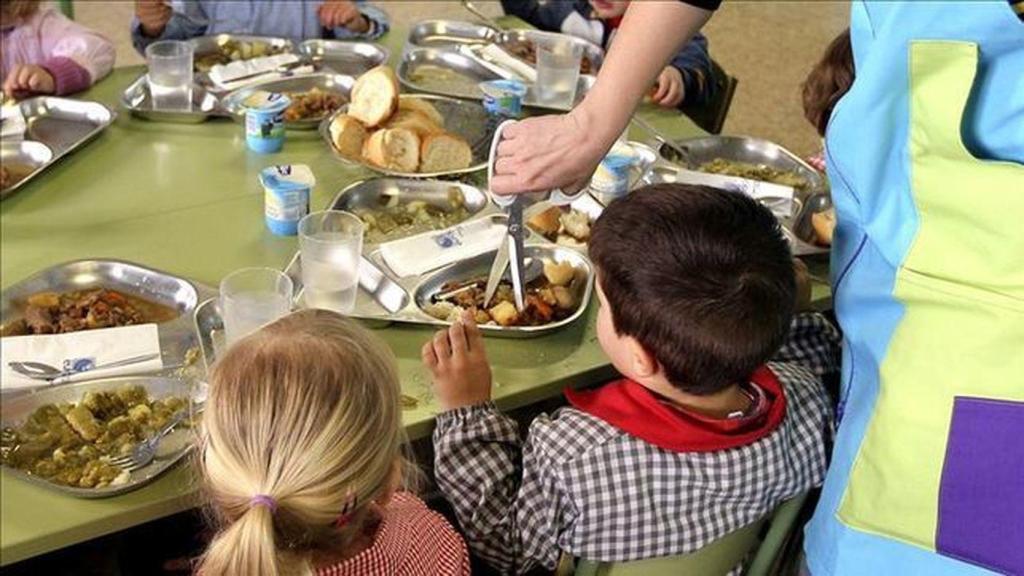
(422, 106)
(444, 152)
(374, 97)
(824, 224)
(348, 135)
(415, 121)
(547, 222)
(393, 148)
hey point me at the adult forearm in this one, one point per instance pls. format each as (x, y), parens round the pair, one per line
(650, 35)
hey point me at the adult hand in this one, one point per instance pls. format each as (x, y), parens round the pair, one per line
(153, 15)
(669, 91)
(29, 79)
(458, 363)
(546, 152)
(338, 13)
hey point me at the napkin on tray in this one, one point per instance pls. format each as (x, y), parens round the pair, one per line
(241, 72)
(502, 58)
(102, 346)
(431, 250)
(12, 126)
(778, 198)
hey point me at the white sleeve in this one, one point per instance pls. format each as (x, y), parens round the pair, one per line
(576, 25)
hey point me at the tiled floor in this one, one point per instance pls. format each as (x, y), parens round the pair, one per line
(770, 46)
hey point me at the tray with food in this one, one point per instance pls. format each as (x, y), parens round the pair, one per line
(19, 161)
(416, 136)
(63, 125)
(344, 57)
(314, 97)
(450, 73)
(442, 33)
(523, 45)
(93, 294)
(138, 101)
(560, 278)
(75, 438)
(210, 51)
(565, 225)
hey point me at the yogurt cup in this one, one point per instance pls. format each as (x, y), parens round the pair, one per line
(503, 97)
(286, 191)
(611, 180)
(264, 121)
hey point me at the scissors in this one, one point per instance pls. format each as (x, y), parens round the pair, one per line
(511, 251)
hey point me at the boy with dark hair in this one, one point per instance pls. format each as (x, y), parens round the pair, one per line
(720, 416)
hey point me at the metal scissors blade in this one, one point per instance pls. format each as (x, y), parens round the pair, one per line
(515, 253)
(497, 270)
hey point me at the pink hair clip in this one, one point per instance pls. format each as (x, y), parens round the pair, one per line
(348, 509)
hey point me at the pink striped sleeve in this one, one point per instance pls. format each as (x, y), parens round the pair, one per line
(62, 38)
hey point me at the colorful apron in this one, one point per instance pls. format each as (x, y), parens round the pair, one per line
(927, 475)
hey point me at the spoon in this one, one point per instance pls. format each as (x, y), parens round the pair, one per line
(41, 371)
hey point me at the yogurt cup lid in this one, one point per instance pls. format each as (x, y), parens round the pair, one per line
(287, 177)
(499, 88)
(264, 101)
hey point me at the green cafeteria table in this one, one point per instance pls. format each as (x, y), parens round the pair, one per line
(185, 199)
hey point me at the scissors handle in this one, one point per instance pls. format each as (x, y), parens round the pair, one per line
(556, 197)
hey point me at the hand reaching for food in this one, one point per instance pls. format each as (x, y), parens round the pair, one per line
(28, 79)
(338, 13)
(669, 90)
(153, 15)
(458, 364)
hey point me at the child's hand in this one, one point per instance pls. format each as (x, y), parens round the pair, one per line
(29, 79)
(803, 285)
(337, 13)
(458, 363)
(669, 90)
(153, 15)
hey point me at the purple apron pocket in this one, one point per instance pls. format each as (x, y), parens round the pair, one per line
(981, 497)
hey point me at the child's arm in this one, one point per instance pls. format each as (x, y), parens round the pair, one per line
(358, 19)
(76, 57)
(694, 63)
(506, 495)
(153, 21)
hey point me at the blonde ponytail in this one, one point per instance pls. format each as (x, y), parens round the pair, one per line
(302, 426)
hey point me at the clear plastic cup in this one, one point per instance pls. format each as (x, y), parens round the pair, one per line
(251, 298)
(170, 74)
(558, 71)
(330, 247)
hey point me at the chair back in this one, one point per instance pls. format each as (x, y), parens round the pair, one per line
(711, 116)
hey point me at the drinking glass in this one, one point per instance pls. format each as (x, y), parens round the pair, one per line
(558, 71)
(251, 298)
(330, 245)
(170, 74)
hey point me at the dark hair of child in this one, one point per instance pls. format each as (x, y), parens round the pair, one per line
(701, 277)
(830, 78)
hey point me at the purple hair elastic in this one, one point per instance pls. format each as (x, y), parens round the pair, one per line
(264, 500)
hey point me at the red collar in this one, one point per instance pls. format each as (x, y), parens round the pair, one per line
(639, 412)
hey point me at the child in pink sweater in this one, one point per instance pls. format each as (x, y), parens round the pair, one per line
(45, 53)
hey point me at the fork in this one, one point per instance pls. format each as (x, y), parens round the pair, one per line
(145, 451)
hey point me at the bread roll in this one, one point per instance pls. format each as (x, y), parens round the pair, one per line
(444, 152)
(393, 148)
(546, 222)
(415, 121)
(348, 135)
(374, 97)
(413, 104)
(824, 224)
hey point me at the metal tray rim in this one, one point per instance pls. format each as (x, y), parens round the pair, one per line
(33, 173)
(227, 105)
(190, 117)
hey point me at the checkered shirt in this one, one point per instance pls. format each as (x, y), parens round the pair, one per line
(579, 485)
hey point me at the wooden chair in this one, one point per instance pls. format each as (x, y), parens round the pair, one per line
(711, 116)
(717, 558)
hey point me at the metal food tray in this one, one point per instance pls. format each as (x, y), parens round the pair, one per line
(468, 120)
(345, 57)
(172, 449)
(449, 33)
(592, 51)
(473, 71)
(136, 99)
(34, 155)
(176, 336)
(754, 151)
(63, 125)
(339, 84)
(202, 45)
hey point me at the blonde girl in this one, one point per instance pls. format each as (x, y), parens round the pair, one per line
(43, 52)
(301, 462)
